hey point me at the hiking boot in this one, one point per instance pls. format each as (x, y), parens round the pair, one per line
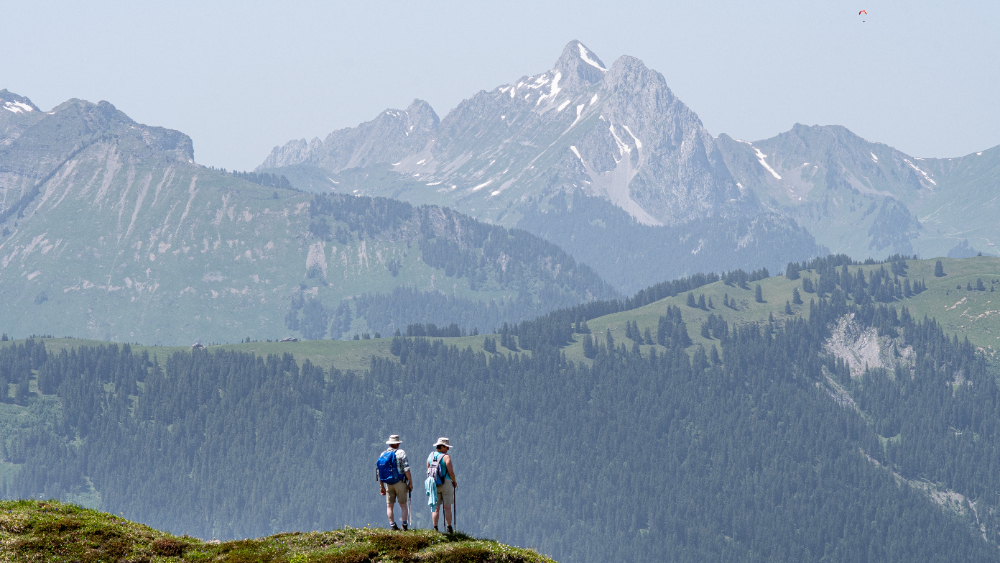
(436, 529)
(405, 526)
(450, 531)
(393, 527)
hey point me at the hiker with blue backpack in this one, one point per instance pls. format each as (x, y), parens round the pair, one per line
(440, 484)
(394, 482)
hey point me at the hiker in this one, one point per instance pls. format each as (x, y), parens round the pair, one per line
(440, 468)
(392, 470)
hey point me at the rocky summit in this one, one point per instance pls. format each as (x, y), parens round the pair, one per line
(615, 132)
(545, 143)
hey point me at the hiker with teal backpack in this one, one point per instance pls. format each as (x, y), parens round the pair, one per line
(440, 484)
(394, 482)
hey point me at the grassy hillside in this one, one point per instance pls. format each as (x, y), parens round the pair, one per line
(968, 314)
(341, 354)
(56, 532)
(961, 312)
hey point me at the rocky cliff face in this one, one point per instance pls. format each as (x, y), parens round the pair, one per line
(543, 144)
(616, 133)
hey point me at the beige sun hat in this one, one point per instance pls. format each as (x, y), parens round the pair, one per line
(443, 442)
(394, 440)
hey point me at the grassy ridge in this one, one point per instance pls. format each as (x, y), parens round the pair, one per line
(341, 354)
(59, 532)
(965, 313)
(959, 311)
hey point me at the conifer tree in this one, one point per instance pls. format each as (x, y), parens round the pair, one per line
(589, 350)
(714, 356)
(792, 271)
(807, 285)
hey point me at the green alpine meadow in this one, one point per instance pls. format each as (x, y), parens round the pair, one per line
(56, 531)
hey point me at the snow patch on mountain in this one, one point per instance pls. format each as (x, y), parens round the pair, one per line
(17, 107)
(913, 166)
(554, 91)
(760, 158)
(638, 143)
(585, 55)
(622, 147)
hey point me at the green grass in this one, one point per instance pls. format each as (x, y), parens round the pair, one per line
(970, 314)
(341, 354)
(59, 532)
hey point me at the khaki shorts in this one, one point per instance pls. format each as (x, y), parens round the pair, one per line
(446, 493)
(396, 491)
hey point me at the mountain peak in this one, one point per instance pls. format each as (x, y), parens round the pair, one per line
(579, 66)
(16, 104)
(422, 115)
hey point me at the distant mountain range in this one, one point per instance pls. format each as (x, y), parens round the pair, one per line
(108, 229)
(609, 164)
(602, 162)
(868, 199)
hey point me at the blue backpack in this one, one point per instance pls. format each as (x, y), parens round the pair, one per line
(388, 469)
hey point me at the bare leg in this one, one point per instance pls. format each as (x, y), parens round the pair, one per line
(434, 516)
(404, 511)
(447, 514)
(389, 512)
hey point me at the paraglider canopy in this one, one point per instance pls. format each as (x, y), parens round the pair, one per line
(863, 12)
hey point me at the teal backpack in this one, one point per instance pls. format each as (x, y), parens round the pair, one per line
(435, 470)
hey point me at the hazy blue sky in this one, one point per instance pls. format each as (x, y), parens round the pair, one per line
(241, 76)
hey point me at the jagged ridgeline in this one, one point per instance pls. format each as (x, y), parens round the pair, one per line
(604, 161)
(780, 446)
(112, 232)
